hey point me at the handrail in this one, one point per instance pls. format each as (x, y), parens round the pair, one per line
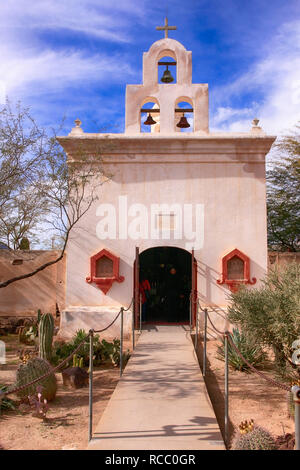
(52, 370)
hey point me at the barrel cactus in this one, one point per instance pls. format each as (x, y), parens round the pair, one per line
(33, 369)
(46, 330)
(253, 437)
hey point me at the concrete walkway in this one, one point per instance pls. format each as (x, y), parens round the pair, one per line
(161, 401)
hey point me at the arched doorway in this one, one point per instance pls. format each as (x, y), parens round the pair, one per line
(165, 276)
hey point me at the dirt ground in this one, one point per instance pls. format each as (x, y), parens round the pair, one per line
(66, 426)
(250, 396)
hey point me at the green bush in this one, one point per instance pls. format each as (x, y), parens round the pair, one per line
(104, 351)
(271, 314)
(6, 403)
(249, 349)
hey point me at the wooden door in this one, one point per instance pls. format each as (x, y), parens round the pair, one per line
(136, 288)
(194, 292)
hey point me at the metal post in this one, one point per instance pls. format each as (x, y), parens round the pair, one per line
(121, 342)
(133, 332)
(296, 396)
(196, 337)
(204, 343)
(91, 385)
(191, 309)
(141, 314)
(226, 391)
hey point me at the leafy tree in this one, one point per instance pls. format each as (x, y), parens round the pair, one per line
(271, 314)
(283, 196)
(39, 185)
(21, 155)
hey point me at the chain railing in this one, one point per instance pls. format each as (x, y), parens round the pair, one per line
(52, 370)
(227, 336)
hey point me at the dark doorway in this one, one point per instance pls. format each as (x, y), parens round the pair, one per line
(165, 285)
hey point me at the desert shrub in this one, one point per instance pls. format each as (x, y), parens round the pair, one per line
(251, 351)
(29, 332)
(104, 351)
(61, 350)
(271, 314)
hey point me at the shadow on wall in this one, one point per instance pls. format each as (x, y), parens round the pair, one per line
(42, 291)
(192, 170)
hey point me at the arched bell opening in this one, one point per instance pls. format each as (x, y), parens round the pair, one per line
(167, 68)
(184, 115)
(150, 115)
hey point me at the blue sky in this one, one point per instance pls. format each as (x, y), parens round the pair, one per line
(73, 58)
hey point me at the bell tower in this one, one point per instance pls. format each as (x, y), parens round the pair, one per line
(167, 95)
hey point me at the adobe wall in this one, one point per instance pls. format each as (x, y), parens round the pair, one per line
(280, 260)
(42, 291)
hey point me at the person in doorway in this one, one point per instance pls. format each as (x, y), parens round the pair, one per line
(144, 293)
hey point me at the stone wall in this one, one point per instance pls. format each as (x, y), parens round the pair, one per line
(42, 291)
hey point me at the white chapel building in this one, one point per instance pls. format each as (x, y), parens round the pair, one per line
(183, 215)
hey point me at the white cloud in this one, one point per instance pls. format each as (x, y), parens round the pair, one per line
(276, 77)
(99, 18)
(57, 69)
(223, 114)
(30, 65)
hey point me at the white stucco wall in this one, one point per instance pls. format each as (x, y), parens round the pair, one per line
(226, 175)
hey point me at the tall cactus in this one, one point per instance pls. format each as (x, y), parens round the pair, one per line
(33, 369)
(46, 330)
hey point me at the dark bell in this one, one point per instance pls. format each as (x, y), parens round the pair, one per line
(149, 121)
(167, 76)
(183, 123)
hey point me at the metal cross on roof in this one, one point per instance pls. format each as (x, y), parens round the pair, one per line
(166, 28)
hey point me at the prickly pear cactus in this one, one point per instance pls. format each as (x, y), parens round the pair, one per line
(33, 369)
(253, 437)
(77, 361)
(46, 330)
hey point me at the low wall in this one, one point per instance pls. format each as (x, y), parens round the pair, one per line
(97, 318)
(44, 290)
(279, 260)
(47, 288)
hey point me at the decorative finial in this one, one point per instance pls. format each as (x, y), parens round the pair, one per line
(255, 127)
(77, 130)
(166, 28)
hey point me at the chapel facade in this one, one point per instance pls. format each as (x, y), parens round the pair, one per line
(182, 216)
